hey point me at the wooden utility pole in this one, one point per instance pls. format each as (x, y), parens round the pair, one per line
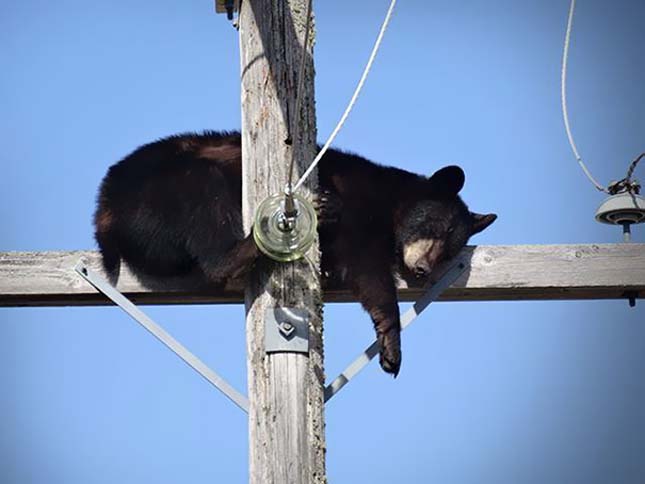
(286, 425)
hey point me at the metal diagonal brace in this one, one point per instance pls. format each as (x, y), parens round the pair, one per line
(432, 293)
(158, 332)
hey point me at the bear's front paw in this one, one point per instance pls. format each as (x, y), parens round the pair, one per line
(390, 354)
(328, 207)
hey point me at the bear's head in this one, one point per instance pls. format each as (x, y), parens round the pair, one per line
(437, 223)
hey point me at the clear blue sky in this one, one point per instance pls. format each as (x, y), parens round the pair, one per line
(501, 393)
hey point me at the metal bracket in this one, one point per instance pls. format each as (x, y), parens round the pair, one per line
(286, 330)
(229, 7)
(158, 332)
(431, 294)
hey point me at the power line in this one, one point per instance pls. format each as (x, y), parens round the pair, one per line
(565, 114)
(343, 118)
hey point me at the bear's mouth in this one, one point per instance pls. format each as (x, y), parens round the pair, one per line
(422, 255)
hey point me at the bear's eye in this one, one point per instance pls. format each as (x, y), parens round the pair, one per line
(451, 230)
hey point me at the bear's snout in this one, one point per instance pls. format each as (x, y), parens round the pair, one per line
(421, 255)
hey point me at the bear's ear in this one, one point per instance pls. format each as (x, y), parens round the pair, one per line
(448, 181)
(480, 222)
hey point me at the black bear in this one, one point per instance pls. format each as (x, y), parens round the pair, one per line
(174, 206)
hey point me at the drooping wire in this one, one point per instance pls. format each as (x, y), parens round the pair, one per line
(563, 93)
(358, 89)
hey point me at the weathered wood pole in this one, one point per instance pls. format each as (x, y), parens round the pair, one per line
(286, 425)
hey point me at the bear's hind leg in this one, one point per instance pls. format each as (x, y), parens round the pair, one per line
(213, 229)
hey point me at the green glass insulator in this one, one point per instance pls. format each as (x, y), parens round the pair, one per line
(284, 236)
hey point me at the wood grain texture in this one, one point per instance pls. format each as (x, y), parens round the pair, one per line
(286, 390)
(498, 272)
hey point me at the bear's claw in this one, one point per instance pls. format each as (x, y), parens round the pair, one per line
(390, 353)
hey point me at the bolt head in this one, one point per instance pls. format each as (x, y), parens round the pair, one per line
(287, 329)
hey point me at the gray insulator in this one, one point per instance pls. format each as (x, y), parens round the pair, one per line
(622, 208)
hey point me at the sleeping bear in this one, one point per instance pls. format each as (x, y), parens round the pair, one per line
(174, 206)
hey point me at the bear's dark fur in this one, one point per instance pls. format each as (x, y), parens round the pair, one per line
(174, 206)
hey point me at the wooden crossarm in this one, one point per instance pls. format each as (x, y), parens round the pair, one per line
(516, 272)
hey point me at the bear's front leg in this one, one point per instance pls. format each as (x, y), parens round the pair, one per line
(376, 292)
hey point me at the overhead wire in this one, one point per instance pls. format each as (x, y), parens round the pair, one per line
(368, 67)
(352, 101)
(563, 93)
